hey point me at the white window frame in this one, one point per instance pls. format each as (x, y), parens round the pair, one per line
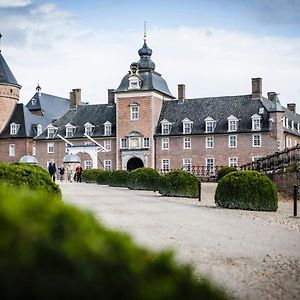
(232, 123)
(146, 142)
(256, 122)
(254, 144)
(88, 164)
(14, 128)
(69, 131)
(165, 143)
(124, 143)
(12, 150)
(233, 162)
(51, 130)
(107, 128)
(50, 147)
(210, 125)
(210, 168)
(39, 129)
(187, 143)
(187, 164)
(209, 142)
(231, 138)
(134, 112)
(166, 127)
(89, 129)
(165, 165)
(107, 145)
(187, 126)
(34, 150)
(107, 164)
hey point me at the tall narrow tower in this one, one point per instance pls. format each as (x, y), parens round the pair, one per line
(9, 91)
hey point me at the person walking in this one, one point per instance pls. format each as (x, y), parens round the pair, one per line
(79, 173)
(69, 173)
(52, 170)
(62, 173)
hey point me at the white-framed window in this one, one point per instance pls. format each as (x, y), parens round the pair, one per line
(70, 131)
(39, 129)
(134, 112)
(165, 144)
(256, 122)
(210, 165)
(146, 142)
(124, 143)
(210, 124)
(298, 127)
(33, 150)
(107, 164)
(88, 164)
(255, 158)
(88, 129)
(187, 126)
(51, 132)
(256, 140)
(232, 141)
(107, 128)
(233, 162)
(12, 150)
(232, 123)
(165, 165)
(209, 142)
(166, 127)
(107, 145)
(14, 128)
(187, 164)
(187, 143)
(50, 147)
(286, 122)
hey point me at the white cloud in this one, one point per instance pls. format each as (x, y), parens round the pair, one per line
(14, 3)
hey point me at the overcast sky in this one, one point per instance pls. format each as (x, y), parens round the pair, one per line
(214, 47)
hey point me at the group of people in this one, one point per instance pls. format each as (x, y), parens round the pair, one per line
(61, 171)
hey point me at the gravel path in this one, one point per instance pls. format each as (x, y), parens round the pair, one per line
(253, 255)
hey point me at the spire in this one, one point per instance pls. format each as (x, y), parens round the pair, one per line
(145, 32)
(145, 62)
(0, 40)
(38, 90)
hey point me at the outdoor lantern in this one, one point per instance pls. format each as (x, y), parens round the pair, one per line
(28, 159)
(71, 158)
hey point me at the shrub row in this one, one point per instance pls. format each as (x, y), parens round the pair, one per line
(56, 251)
(32, 176)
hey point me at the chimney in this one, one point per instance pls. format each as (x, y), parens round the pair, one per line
(75, 98)
(181, 92)
(256, 88)
(271, 95)
(111, 97)
(292, 107)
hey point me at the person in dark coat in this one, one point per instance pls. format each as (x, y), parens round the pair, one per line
(52, 170)
(78, 173)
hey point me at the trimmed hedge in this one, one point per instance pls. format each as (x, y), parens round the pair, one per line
(118, 178)
(179, 184)
(32, 176)
(224, 171)
(102, 176)
(247, 190)
(55, 251)
(90, 175)
(144, 179)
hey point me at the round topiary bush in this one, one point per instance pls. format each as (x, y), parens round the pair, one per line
(144, 179)
(118, 178)
(55, 251)
(102, 176)
(32, 176)
(247, 190)
(224, 171)
(179, 184)
(90, 176)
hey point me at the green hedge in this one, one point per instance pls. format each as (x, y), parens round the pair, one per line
(247, 190)
(144, 179)
(224, 171)
(90, 175)
(32, 176)
(102, 176)
(118, 178)
(55, 251)
(179, 184)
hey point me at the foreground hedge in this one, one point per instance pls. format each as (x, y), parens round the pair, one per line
(55, 251)
(179, 184)
(118, 178)
(34, 177)
(247, 190)
(102, 176)
(90, 175)
(224, 171)
(144, 179)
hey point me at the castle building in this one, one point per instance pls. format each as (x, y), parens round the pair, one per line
(143, 124)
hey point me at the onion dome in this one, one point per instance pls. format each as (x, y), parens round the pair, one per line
(145, 62)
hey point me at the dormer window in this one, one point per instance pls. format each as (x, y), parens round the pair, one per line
(107, 128)
(286, 122)
(293, 125)
(134, 111)
(210, 124)
(39, 129)
(51, 130)
(133, 79)
(166, 127)
(33, 101)
(14, 128)
(187, 126)
(70, 130)
(298, 127)
(88, 129)
(256, 122)
(232, 123)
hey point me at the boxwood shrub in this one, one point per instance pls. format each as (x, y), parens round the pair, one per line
(118, 178)
(144, 179)
(247, 190)
(102, 176)
(90, 175)
(32, 176)
(179, 183)
(224, 171)
(55, 251)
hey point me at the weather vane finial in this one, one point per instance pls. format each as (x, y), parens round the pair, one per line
(145, 33)
(0, 40)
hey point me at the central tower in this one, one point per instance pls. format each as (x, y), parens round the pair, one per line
(138, 104)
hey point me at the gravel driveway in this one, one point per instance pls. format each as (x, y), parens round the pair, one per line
(253, 255)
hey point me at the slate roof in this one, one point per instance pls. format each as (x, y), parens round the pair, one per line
(218, 108)
(96, 114)
(6, 76)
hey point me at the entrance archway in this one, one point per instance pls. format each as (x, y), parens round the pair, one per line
(134, 163)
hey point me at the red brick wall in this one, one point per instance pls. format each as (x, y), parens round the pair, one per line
(22, 147)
